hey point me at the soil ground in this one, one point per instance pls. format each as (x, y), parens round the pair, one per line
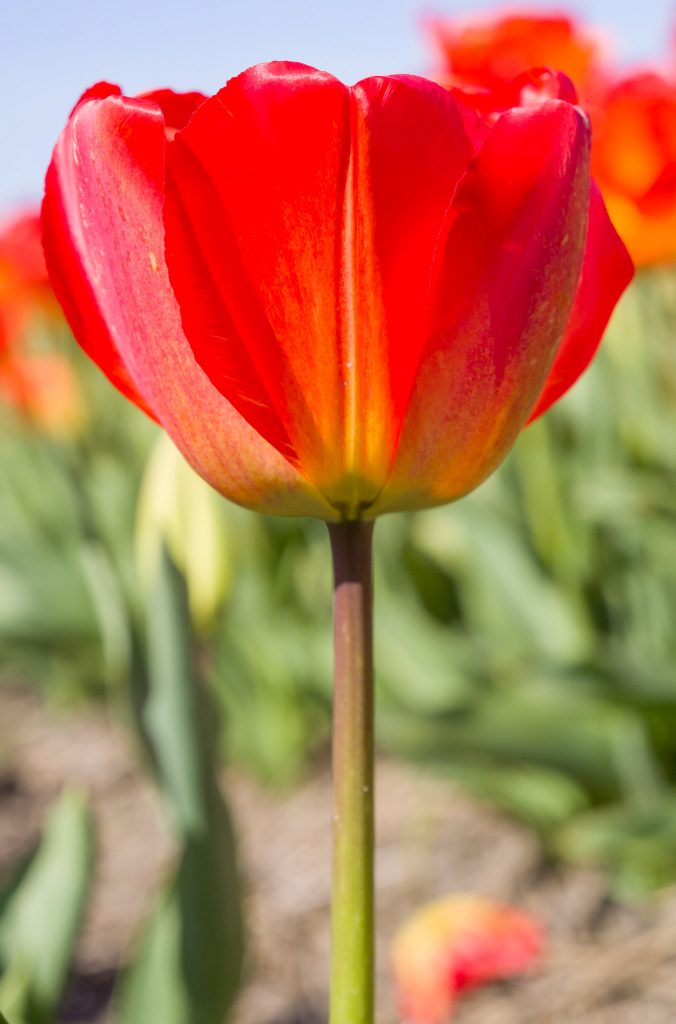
(606, 963)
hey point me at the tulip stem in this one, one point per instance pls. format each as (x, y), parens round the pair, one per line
(352, 929)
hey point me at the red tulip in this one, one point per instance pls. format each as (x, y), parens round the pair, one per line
(40, 386)
(634, 162)
(455, 944)
(338, 301)
(483, 52)
(24, 284)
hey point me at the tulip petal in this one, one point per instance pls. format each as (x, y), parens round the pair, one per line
(508, 275)
(416, 143)
(68, 271)
(256, 261)
(104, 243)
(307, 293)
(606, 272)
(458, 943)
(177, 107)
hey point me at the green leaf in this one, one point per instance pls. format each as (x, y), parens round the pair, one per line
(154, 987)
(41, 918)
(605, 748)
(538, 796)
(418, 660)
(194, 942)
(634, 842)
(15, 995)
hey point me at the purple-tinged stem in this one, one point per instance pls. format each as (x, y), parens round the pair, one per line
(352, 919)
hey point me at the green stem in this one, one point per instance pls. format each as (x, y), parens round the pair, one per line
(352, 938)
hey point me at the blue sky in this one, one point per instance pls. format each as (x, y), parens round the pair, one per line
(53, 49)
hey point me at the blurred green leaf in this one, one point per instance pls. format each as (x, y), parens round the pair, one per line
(40, 920)
(43, 598)
(602, 746)
(196, 935)
(272, 675)
(634, 842)
(504, 592)
(541, 797)
(418, 660)
(15, 993)
(154, 988)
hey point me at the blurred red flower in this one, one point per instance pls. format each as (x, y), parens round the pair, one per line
(633, 117)
(455, 944)
(363, 293)
(483, 52)
(24, 284)
(41, 386)
(634, 162)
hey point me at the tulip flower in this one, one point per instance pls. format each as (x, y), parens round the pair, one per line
(362, 295)
(483, 52)
(338, 302)
(40, 386)
(24, 284)
(634, 162)
(455, 944)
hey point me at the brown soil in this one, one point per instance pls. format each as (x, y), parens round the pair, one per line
(605, 963)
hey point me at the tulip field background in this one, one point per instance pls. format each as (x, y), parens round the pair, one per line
(165, 698)
(525, 654)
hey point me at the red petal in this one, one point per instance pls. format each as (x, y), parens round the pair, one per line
(177, 107)
(606, 272)
(415, 142)
(70, 239)
(536, 85)
(512, 261)
(457, 943)
(98, 91)
(533, 86)
(104, 243)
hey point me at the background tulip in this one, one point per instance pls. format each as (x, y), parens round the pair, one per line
(24, 285)
(455, 944)
(634, 161)
(484, 51)
(39, 385)
(43, 389)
